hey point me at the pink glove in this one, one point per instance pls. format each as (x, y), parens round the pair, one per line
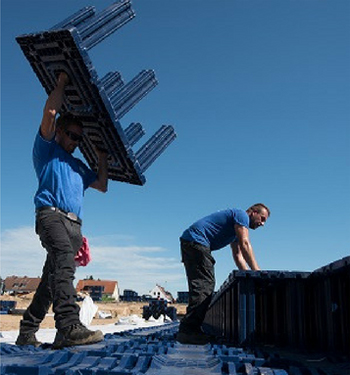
(83, 256)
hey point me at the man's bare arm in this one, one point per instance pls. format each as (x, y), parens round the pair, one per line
(101, 183)
(52, 106)
(246, 247)
(238, 257)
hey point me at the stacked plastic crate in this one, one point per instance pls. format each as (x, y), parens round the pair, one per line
(156, 308)
(130, 296)
(99, 103)
(298, 309)
(258, 306)
(280, 308)
(328, 318)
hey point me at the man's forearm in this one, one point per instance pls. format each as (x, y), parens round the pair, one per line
(102, 172)
(55, 99)
(248, 255)
(240, 263)
(237, 257)
(52, 106)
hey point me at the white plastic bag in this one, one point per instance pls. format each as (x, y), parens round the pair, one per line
(104, 315)
(87, 311)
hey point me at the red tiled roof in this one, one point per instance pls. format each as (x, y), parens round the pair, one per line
(109, 285)
(22, 284)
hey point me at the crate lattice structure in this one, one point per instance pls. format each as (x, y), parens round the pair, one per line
(98, 103)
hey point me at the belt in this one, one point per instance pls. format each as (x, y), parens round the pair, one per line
(69, 215)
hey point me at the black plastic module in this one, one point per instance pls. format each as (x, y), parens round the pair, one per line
(99, 103)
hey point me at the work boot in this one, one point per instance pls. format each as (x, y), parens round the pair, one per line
(76, 334)
(27, 339)
(193, 338)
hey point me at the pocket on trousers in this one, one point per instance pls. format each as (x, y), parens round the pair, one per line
(74, 233)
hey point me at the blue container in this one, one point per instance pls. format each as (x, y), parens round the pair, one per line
(6, 306)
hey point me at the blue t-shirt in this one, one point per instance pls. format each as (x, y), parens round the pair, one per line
(218, 229)
(62, 177)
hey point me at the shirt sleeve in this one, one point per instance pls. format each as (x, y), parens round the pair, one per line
(88, 175)
(241, 218)
(42, 152)
(42, 148)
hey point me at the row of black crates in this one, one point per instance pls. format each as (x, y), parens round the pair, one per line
(298, 309)
(158, 307)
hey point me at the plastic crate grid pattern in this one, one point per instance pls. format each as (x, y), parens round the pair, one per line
(98, 103)
(299, 309)
(147, 351)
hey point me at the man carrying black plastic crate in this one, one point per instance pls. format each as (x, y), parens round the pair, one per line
(58, 201)
(213, 232)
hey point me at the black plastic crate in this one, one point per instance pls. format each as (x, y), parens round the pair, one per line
(98, 103)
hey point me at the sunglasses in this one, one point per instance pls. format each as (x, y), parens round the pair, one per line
(74, 136)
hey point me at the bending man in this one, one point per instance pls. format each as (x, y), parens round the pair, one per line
(214, 232)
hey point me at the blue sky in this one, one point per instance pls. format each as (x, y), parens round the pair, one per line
(258, 92)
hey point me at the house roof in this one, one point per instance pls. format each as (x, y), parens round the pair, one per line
(109, 285)
(165, 292)
(22, 284)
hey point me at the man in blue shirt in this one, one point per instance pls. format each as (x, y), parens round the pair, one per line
(213, 232)
(63, 180)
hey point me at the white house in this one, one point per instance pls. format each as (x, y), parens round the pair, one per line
(160, 293)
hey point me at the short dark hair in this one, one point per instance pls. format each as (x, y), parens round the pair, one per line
(258, 207)
(67, 119)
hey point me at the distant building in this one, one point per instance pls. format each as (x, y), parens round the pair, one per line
(160, 293)
(182, 297)
(99, 288)
(2, 286)
(130, 296)
(21, 284)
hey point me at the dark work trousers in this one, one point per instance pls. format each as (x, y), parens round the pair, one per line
(199, 265)
(61, 238)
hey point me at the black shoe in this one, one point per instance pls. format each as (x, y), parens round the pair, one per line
(27, 339)
(77, 334)
(193, 338)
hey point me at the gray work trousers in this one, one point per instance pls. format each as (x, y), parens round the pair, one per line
(62, 239)
(199, 266)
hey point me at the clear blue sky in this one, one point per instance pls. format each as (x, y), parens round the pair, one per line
(258, 92)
